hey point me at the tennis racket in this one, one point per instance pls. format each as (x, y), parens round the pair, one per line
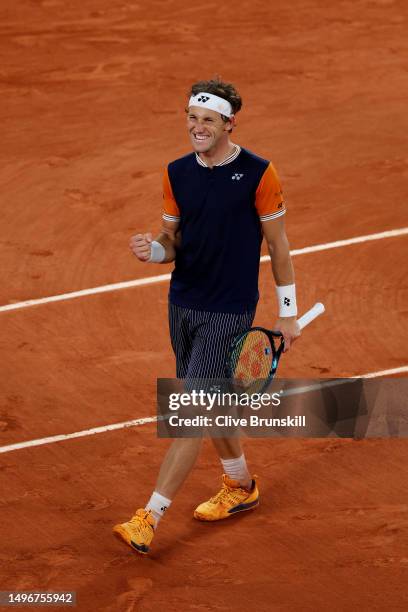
(254, 355)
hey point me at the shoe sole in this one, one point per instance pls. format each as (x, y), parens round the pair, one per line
(122, 535)
(203, 517)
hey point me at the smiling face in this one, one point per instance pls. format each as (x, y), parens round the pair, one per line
(208, 132)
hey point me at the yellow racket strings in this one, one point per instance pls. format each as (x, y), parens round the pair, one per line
(252, 357)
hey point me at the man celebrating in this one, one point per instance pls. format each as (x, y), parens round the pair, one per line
(219, 202)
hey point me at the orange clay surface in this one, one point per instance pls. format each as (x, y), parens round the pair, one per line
(91, 108)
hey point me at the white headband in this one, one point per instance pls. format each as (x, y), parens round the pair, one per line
(215, 103)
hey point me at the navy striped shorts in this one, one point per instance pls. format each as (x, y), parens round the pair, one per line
(201, 340)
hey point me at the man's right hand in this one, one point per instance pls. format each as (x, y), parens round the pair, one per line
(141, 246)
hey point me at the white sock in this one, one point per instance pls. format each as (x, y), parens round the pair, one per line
(158, 505)
(237, 470)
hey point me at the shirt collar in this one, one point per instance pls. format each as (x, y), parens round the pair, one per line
(230, 157)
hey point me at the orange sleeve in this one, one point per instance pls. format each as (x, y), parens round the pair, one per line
(171, 211)
(269, 198)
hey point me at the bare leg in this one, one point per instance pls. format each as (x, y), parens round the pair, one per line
(228, 448)
(177, 464)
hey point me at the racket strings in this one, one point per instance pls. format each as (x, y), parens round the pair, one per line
(252, 357)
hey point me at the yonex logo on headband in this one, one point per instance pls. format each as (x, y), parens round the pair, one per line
(212, 102)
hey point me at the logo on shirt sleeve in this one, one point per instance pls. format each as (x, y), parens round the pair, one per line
(236, 176)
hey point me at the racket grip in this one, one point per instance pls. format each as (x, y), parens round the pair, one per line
(311, 315)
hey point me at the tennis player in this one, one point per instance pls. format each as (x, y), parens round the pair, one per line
(220, 201)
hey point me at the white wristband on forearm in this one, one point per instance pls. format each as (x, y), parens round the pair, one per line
(287, 300)
(157, 253)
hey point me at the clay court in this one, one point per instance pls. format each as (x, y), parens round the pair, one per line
(92, 109)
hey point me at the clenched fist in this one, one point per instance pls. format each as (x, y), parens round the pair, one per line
(141, 246)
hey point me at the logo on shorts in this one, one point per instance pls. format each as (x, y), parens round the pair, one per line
(203, 99)
(236, 176)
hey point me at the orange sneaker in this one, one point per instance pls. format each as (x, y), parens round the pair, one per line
(138, 532)
(231, 499)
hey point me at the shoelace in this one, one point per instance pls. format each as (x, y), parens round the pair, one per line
(225, 492)
(138, 520)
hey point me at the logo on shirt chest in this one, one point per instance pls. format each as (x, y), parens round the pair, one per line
(236, 176)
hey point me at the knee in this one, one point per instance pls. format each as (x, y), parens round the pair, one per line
(186, 444)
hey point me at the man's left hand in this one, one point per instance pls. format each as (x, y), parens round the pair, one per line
(289, 328)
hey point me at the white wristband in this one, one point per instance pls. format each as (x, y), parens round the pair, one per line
(157, 253)
(287, 300)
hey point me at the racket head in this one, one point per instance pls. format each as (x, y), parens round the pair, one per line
(253, 359)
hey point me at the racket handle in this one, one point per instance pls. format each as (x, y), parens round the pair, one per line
(311, 315)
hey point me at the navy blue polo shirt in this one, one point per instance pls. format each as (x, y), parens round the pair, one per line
(219, 212)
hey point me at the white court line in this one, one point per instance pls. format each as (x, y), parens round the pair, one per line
(140, 282)
(390, 372)
(139, 422)
(77, 434)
